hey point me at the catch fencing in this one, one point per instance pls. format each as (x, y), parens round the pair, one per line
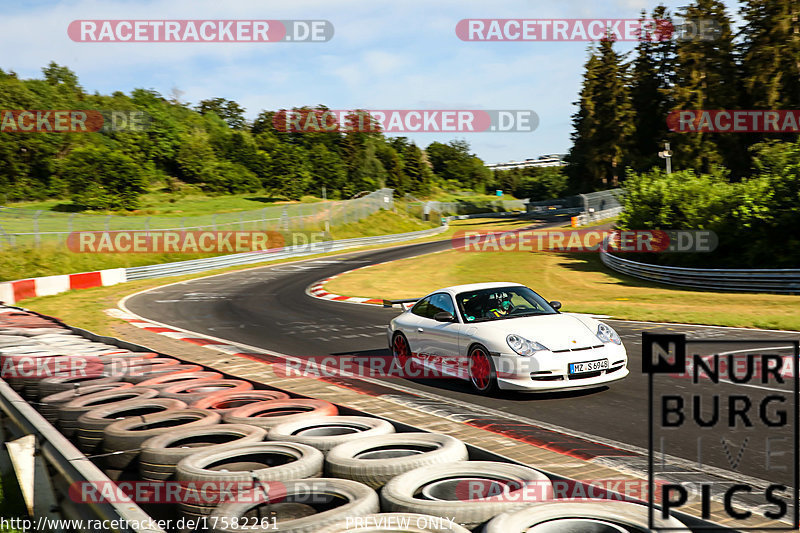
(35, 227)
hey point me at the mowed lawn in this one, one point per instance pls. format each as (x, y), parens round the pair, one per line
(580, 281)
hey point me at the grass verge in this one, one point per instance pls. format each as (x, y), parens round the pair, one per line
(85, 308)
(580, 281)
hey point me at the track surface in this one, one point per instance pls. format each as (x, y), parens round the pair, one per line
(268, 308)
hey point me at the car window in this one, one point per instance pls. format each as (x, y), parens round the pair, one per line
(442, 302)
(421, 307)
(503, 302)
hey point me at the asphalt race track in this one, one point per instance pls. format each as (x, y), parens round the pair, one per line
(268, 308)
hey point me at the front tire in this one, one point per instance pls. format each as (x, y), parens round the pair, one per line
(401, 351)
(482, 373)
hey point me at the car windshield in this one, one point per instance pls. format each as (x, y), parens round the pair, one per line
(484, 305)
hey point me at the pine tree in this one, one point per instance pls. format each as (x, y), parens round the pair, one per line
(582, 159)
(652, 78)
(706, 78)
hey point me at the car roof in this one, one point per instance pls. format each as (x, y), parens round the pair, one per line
(457, 289)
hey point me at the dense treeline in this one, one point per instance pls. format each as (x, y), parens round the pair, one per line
(621, 122)
(210, 146)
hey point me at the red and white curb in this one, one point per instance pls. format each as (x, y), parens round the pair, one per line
(12, 292)
(317, 290)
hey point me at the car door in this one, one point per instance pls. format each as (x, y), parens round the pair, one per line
(441, 338)
(414, 324)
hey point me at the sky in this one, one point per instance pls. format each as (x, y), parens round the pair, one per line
(384, 55)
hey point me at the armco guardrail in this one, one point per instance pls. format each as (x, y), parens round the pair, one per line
(71, 466)
(212, 263)
(749, 280)
(587, 218)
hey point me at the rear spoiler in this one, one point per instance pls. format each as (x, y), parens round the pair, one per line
(403, 304)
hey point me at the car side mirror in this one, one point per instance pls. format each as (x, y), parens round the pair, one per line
(555, 305)
(444, 316)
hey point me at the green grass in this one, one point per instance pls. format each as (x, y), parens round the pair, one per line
(580, 281)
(11, 502)
(50, 258)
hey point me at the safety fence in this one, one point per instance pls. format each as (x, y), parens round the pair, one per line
(34, 227)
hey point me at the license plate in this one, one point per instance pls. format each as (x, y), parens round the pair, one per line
(588, 366)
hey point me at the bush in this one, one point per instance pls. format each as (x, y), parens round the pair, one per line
(99, 178)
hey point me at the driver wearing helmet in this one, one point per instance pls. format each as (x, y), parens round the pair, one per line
(499, 305)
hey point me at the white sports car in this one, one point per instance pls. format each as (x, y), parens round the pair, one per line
(506, 336)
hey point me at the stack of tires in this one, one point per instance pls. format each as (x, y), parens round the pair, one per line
(260, 461)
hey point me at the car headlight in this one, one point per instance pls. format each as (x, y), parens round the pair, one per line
(523, 346)
(606, 334)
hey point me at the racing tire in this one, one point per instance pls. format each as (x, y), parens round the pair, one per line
(294, 516)
(326, 432)
(163, 381)
(127, 435)
(396, 522)
(225, 402)
(92, 423)
(69, 412)
(445, 490)
(273, 412)
(482, 373)
(243, 466)
(53, 385)
(401, 353)
(48, 406)
(162, 453)
(192, 391)
(139, 374)
(570, 516)
(375, 460)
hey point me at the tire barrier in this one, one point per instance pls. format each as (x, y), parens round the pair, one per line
(69, 412)
(48, 406)
(163, 381)
(127, 435)
(225, 402)
(162, 453)
(192, 391)
(376, 460)
(325, 432)
(445, 490)
(243, 466)
(302, 506)
(92, 423)
(599, 515)
(139, 373)
(274, 412)
(395, 523)
(49, 386)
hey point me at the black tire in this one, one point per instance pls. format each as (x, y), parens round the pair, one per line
(396, 523)
(163, 381)
(450, 495)
(375, 460)
(563, 516)
(128, 435)
(69, 412)
(147, 372)
(48, 406)
(160, 454)
(482, 373)
(245, 465)
(313, 495)
(226, 402)
(53, 385)
(133, 371)
(325, 432)
(274, 412)
(191, 391)
(401, 353)
(92, 423)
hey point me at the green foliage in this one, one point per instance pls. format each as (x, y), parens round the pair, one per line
(210, 147)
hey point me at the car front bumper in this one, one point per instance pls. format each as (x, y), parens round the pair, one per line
(549, 371)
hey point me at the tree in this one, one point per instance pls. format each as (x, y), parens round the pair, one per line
(228, 110)
(101, 178)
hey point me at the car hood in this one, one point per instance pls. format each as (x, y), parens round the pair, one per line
(557, 332)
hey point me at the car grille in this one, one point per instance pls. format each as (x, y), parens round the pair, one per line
(577, 349)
